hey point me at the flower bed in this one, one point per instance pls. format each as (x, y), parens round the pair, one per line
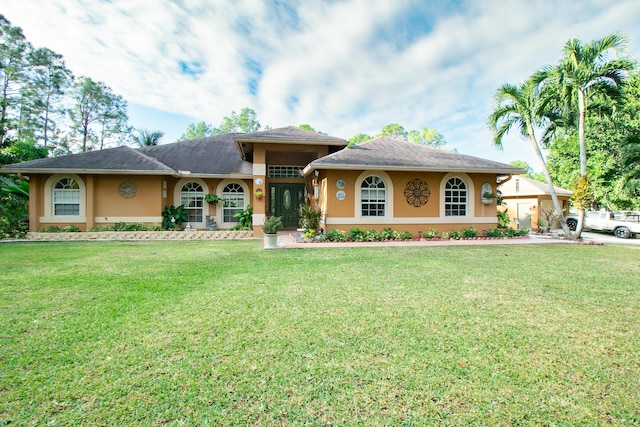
(141, 235)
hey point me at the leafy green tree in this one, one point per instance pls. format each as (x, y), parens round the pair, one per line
(520, 107)
(113, 119)
(13, 50)
(306, 127)
(197, 131)
(97, 113)
(610, 144)
(628, 126)
(145, 138)
(42, 96)
(14, 211)
(358, 138)
(588, 75)
(531, 173)
(245, 122)
(394, 130)
(22, 151)
(427, 136)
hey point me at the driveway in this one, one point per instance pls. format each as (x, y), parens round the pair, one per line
(609, 238)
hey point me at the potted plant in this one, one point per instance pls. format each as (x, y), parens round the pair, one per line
(259, 193)
(270, 229)
(212, 198)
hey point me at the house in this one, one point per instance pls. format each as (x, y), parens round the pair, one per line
(381, 183)
(527, 201)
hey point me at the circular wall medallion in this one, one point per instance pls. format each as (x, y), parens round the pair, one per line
(417, 192)
(127, 189)
(341, 184)
(341, 195)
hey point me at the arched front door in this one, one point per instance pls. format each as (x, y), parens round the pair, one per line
(285, 201)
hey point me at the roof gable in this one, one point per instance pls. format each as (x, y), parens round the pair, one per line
(529, 187)
(389, 154)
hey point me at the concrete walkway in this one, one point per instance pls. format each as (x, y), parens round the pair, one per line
(287, 240)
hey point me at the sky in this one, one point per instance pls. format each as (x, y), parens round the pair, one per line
(343, 67)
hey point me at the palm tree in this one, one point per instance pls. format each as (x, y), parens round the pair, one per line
(145, 138)
(521, 106)
(587, 74)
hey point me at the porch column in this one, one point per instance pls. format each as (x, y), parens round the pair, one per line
(91, 218)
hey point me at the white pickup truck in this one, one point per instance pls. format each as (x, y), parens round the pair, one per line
(622, 224)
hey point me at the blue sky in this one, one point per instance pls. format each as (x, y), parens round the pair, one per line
(343, 67)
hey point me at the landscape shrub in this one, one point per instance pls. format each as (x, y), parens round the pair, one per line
(389, 234)
(406, 235)
(373, 236)
(510, 232)
(469, 233)
(454, 235)
(431, 234)
(494, 232)
(356, 234)
(335, 236)
(50, 229)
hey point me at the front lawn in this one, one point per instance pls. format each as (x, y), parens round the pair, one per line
(224, 333)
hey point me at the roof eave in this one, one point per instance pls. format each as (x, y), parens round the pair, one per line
(86, 171)
(311, 167)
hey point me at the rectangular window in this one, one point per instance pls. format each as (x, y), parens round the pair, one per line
(232, 203)
(373, 201)
(455, 203)
(193, 204)
(277, 171)
(66, 202)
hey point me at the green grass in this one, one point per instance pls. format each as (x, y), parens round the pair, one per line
(224, 333)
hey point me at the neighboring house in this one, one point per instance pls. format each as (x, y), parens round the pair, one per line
(526, 199)
(378, 184)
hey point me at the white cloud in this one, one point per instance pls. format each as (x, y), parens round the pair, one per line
(334, 65)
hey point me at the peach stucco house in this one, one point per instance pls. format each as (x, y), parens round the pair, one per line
(524, 200)
(381, 183)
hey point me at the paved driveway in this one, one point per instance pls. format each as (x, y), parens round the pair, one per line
(609, 238)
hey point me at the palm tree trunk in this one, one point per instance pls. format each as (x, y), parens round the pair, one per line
(583, 155)
(552, 190)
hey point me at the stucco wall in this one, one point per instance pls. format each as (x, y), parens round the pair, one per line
(103, 204)
(344, 214)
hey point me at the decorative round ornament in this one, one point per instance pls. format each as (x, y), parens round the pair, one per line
(341, 195)
(417, 192)
(341, 184)
(127, 189)
(259, 181)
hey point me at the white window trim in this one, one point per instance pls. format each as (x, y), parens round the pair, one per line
(471, 212)
(388, 212)
(220, 189)
(177, 199)
(48, 201)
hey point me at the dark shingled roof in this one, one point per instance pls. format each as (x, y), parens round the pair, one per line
(392, 154)
(113, 160)
(291, 134)
(214, 155)
(217, 155)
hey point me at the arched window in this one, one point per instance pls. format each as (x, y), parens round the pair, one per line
(66, 197)
(233, 201)
(455, 197)
(373, 196)
(192, 197)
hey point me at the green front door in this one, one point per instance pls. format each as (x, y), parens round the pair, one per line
(285, 201)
